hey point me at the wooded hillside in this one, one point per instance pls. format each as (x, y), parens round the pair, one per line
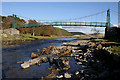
(42, 31)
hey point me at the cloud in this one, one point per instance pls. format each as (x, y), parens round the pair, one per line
(86, 30)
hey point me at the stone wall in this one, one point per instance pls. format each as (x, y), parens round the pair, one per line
(112, 33)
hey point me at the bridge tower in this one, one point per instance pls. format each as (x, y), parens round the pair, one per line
(14, 21)
(108, 18)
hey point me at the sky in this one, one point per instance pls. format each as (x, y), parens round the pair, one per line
(62, 10)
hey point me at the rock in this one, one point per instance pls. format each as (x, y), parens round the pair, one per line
(67, 75)
(20, 62)
(38, 50)
(85, 54)
(76, 73)
(61, 76)
(82, 71)
(104, 74)
(86, 75)
(44, 59)
(84, 66)
(76, 55)
(55, 52)
(25, 65)
(38, 63)
(5, 35)
(82, 78)
(16, 35)
(99, 46)
(11, 31)
(79, 51)
(92, 45)
(64, 43)
(72, 55)
(73, 51)
(79, 63)
(33, 55)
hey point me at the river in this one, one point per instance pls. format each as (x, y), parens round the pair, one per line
(11, 55)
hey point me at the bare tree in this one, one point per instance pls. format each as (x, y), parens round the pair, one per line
(96, 32)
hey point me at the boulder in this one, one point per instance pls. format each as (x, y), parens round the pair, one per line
(11, 31)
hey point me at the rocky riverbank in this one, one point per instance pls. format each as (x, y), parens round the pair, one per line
(90, 55)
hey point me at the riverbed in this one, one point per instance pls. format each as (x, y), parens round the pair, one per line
(11, 55)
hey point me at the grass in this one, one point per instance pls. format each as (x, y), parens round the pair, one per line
(30, 37)
(27, 37)
(97, 40)
(115, 50)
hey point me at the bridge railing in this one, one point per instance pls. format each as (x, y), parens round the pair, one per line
(95, 24)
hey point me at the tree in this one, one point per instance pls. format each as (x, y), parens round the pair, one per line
(96, 32)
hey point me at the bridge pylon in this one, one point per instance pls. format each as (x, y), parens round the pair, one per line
(108, 18)
(14, 21)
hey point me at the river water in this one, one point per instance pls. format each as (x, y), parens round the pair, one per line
(11, 55)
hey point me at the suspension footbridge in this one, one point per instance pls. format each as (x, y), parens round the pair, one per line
(67, 22)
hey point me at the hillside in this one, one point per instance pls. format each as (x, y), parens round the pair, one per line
(77, 33)
(45, 31)
(38, 31)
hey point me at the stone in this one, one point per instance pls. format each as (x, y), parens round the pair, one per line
(73, 51)
(76, 55)
(38, 50)
(85, 54)
(11, 31)
(67, 75)
(99, 46)
(80, 50)
(16, 35)
(33, 55)
(38, 64)
(44, 59)
(72, 55)
(82, 71)
(76, 73)
(104, 74)
(25, 65)
(79, 63)
(82, 78)
(84, 66)
(61, 76)
(20, 62)
(5, 35)
(92, 45)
